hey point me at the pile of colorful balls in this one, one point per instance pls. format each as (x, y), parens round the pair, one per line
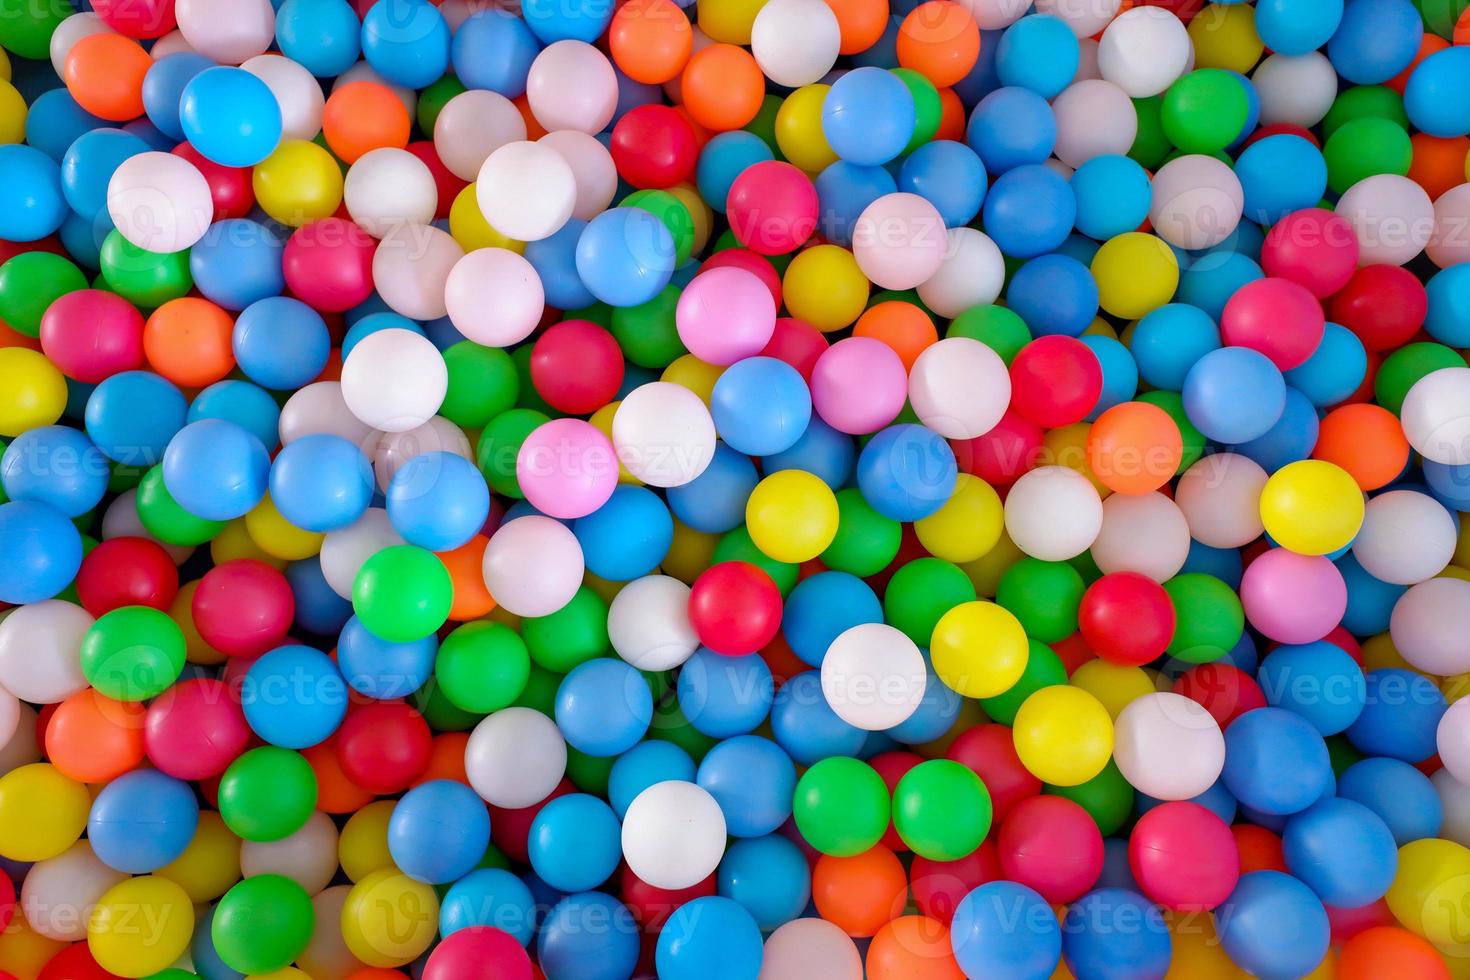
(734, 490)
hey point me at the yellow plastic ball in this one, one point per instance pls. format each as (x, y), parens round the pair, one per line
(1063, 735)
(688, 371)
(1067, 446)
(824, 287)
(1136, 273)
(1462, 543)
(42, 812)
(181, 611)
(32, 391)
(468, 226)
(5, 69)
(979, 649)
(602, 420)
(689, 552)
(12, 114)
(362, 847)
(1431, 890)
(234, 542)
(985, 571)
(211, 862)
(1100, 328)
(300, 182)
(389, 919)
(1380, 653)
(792, 516)
(1224, 36)
(968, 525)
(140, 926)
(24, 951)
(278, 537)
(704, 218)
(728, 21)
(1114, 685)
(284, 973)
(1197, 954)
(1312, 507)
(799, 129)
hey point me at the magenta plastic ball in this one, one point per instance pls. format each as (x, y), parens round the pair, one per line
(195, 729)
(772, 207)
(725, 314)
(1051, 845)
(1293, 598)
(567, 468)
(90, 335)
(1277, 317)
(1312, 247)
(1183, 856)
(859, 385)
(479, 953)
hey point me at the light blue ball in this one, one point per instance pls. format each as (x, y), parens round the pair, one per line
(724, 158)
(163, 87)
(1434, 97)
(643, 765)
(1370, 601)
(438, 501)
(55, 121)
(1168, 341)
(294, 697)
(42, 553)
(489, 897)
(281, 343)
(714, 501)
(1294, 27)
(55, 465)
(1400, 717)
(562, 20)
(1273, 926)
(1114, 934)
(371, 323)
(1335, 369)
(769, 877)
(555, 261)
(1318, 681)
(822, 451)
(1449, 306)
(1280, 174)
(230, 116)
(724, 696)
(628, 536)
(1275, 761)
(1040, 53)
(868, 116)
(237, 263)
(89, 164)
(1213, 279)
(950, 176)
(31, 202)
(1113, 196)
(380, 669)
(246, 405)
(1120, 374)
(806, 726)
(1054, 294)
(588, 936)
(1342, 850)
(752, 779)
(1234, 394)
(708, 938)
(935, 715)
(141, 821)
(1012, 127)
(844, 191)
(406, 42)
(1402, 796)
(493, 49)
(438, 831)
(761, 406)
(1029, 211)
(625, 256)
(603, 708)
(132, 415)
(1375, 40)
(1291, 439)
(321, 482)
(907, 472)
(323, 36)
(575, 842)
(216, 469)
(822, 607)
(1004, 929)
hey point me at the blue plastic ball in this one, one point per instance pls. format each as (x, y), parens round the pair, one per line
(724, 158)
(1012, 127)
(294, 697)
(603, 708)
(868, 116)
(55, 121)
(1210, 282)
(1168, 341)
(1039, 53)
(1029, 211)
(1234, 394)
(281, 343)
(769, 877)
(1113, 196)
(88, 166)
(438, 831)
(1342, 850)
(238, 262)
(216, 469)
(1375, 40)
(822, 451)
(1318, 681)
(323, 36)
(907, 472)
(822, 607)
(142, 820)
(1400, 717)
(563, 20)
(575, 842)
(643, 765)
(752, 779)
(761, 406)
(627, 537)
(806, 726)
(163, 88)
(1004, 929)
(246, 405)
(555, 261)
(1275, 761)
(203, 954)
(1434, 96)
(1450, 485)
(319, 609)
(55, 465)
(1281, 174)
(380, 669)
(714, 501)
(1401, 795)
(32, 205)
(844, 191)
(625, 256)
(1273, 926)
(708, 931)
(724, 696)
(131, 416)
(406, 41)
(1290, 439)
(1370, 600)
(1335, 369)
(489, 897)
(42, 552)
(493, 49)
(438, 500)
(935, 714)
(588, 936)
(950, 176)
(321, 482)
(1114, 934)
(1449, 306)
(1294, 27)
(371, 323)
(1054, 294)
(230, 116)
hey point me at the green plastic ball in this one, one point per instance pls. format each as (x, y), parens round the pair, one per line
(402, 594)
(482, 384)
(589, 773)
(442, 714)
(736, 545)
(764, 123)
(1364, 148)
(1209, 617)
(1364, 102)
(1402, 369)
(482, 667)
(921, 592)
(1107, 798)
(1044, 596)
(500, 444)
(1043, 669)
(163, 517)
(574, 634)
(32, 281)
(672, 213)
(539, 693)
(866, 541)
(928, 110)
(267, 793)
(1150, 145)
(132, 653)
(841, 806)
(1205, 110)
(433, 99)
(529, 397)
(941, 810)
(262, 924)
(999, 328)
(26, 25)
(145, 279)
(647, 332)
(1193, 439)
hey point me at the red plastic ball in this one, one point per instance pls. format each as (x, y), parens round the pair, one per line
(328, 264)
(1260, 850)
(126, 572)
(651, 906)
(1055, 381)
(1004, 454)
(1384, 305)
(229, 187)
(772, 207)
(445, 182)
(141, 19)
(893, 766)
(90, 335)
(1223, 690)
(1051, 845)
(1347, 923)
(74, 962)
(798, 343)
(1340, 637)
(1126, 618)
(1183, 856)
(1277, 129)
(7, 900)
(479, 953)
(577, 367)
(1277, 317)
(940, 886)
(654, 146)
(744, 258)
(511, 829)
(734, 608)
(990, 751)
(384, 746)
(195, 729)
(1313, 248)
(243, 608)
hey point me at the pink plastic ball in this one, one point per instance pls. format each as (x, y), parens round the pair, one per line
(91, 335)
(1293, 598)
(744, 258)
(479, 953)
(567, 468)
(1050, 844)
(1183, 856)
(195, 729)
(1312, 247)
(772, 208)
(328, 264)
(724, 315)
(899, 241)
(859, 385)
(1277, 317)
(243, 608)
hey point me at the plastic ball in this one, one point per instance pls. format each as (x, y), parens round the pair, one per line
(1168, 747)
(1212, 394)
(1431, 416)
(1272, 923)
(1423, 624)
(673, 834)
(734, 608)
(1053, 513)
(1183, 856)
(389, 919)
(267, 793)
(1311, 507)
(1275, 761)
(1054, 717)
(118, 948)
(1391, 216)
(868, 116)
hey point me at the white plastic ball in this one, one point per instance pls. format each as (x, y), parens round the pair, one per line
(23, 748)
(344, 551)
(121, 520)
(1087, 60)
(297, 92)
(411, 266)
(494, 297)
(592, 166)
(1392, 217)
(1429, 624)
(69, 32)
(1143, 51)
(40, 651)
(388, 188)
(393, 449)
(1436, 416)
(526, 191)
(899, 241)
(326, 955)
(995, 15)
(1453, 740)
(572, 85)
(1297, 89)
(320, 409)
(159, 202)
(1053, 513)
(394, 380)
(1085, 17)
(663, 434)
(1094, 118)
(959, 387)
(515, 758)
(228, 31)
(1220, 497)
(308, 856)
(58, 894)
(795, 42)
(1454, 800)
(673, 835)
(1450, 243)
(971, 273)
(1168, 746)
(173, 42)
(648, 623)
(9, 715)
(533, 565)
(1406, 537)
(473, 125)
(1197, 202)
(873, 676)
(1144, 533)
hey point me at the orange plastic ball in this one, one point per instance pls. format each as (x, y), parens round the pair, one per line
(335, 793)
(363, 116)
(951, 116)
(1430, 44)
(471, 598)
(534, 129)
(104, 73)
(939, 40)
(446, 758)
(914, 947)
(187, 340)
(1438, 163)
(902, 326)
(1388, 951)
(723, 87)
(860, 894)
(1462, 28)
(1134, 447)
(1260, 850)
(94, 739)
(1366, 440)
(860, 23)
(650, 40)
(376, 973)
